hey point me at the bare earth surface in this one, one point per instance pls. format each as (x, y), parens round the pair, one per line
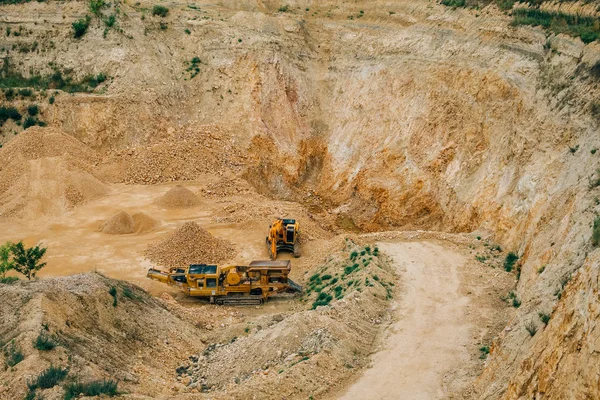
(430, 338)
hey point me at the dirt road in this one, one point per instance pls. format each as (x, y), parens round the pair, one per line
(430, 335)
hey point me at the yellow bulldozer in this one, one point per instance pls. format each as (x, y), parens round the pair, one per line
(284, 234)
(233, 284)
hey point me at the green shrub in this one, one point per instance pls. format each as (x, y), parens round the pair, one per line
(516, 303)
(51, 100)
(187, 31)
(350, 269)
(485, 350)
(285, 8)
(48, 378)
(45, 342)
(509, 261)
(80, 26)
(13, 354)
(25, 92)
(7, 113)
(29, 121)
(110, 21)
(33, 110)
(326, 277)
(376, 251)
(322, 300)
(596, 232)
(454, 3)
(159, 10)
(113, 293)
(545, 318)
(96, 6)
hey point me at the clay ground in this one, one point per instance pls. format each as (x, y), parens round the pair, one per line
(447, 304)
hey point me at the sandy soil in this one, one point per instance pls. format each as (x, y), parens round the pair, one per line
(430, 345)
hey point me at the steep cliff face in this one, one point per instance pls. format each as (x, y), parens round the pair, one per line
(400, 114)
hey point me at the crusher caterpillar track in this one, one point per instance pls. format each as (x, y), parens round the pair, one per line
(233, 284)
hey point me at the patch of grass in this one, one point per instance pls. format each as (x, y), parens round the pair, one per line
(113, 293)
(45, 342)
(12, 354)
(94, 388)
(454, 3)
(596, 232)
(8, 280)
(48, 378)
(545, 318)
(509, 261)
(80, 26)
(531, 328)
(130, 294)
(541, 269)
(159, 10)
(584, 27)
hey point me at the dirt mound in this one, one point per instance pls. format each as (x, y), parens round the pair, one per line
(119, 224)
(189, 244)
(124, 223)
(178, 197)
(308, 352)
(144, 223)
(46, 172)
(80, 315)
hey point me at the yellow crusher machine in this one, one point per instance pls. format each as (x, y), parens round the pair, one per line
(233, 284)
(284, 234)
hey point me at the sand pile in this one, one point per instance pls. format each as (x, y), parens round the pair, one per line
(118, 224)
(144, 223)
(178, 197)
(123, 223)
(189, 244)
(46, 172)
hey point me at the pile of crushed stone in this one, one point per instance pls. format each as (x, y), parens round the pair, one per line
(199, 150)
(122, 223)
(178, 197)
(188, 245)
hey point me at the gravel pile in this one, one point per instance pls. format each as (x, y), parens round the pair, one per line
(187, 245)
(178, 197)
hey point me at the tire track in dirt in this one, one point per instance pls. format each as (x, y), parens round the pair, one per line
(430, 335)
